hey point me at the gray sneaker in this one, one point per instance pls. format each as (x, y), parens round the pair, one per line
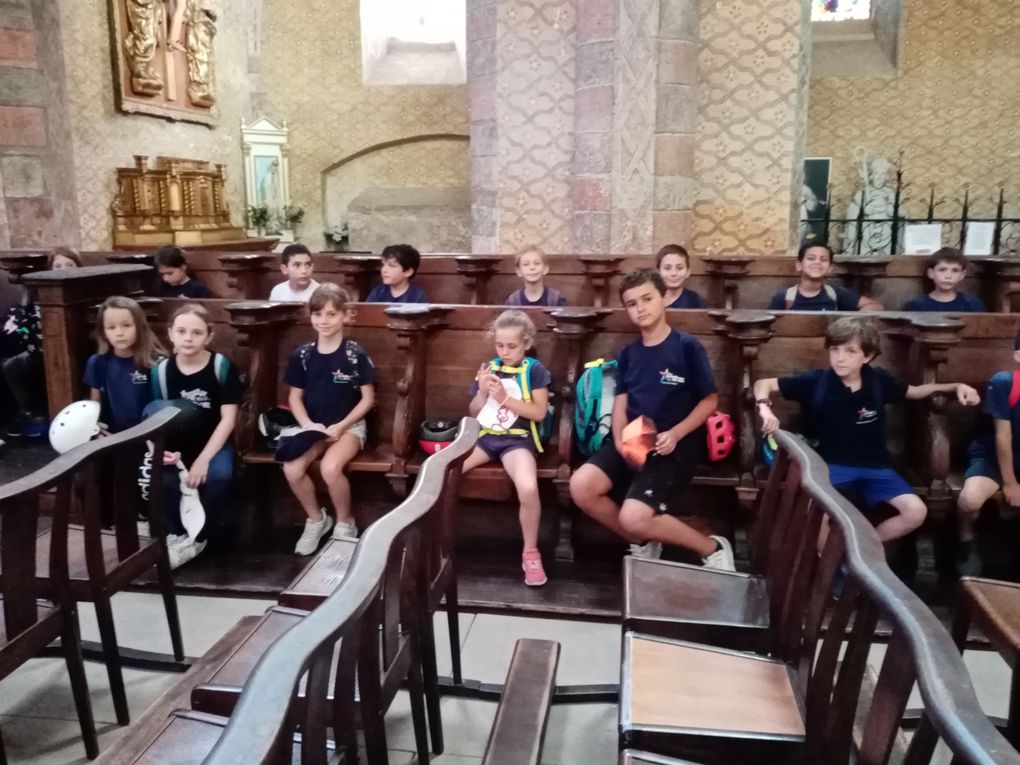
(648, 551)
(183, 550)
(721, 559)
(313, 533)
(345, 531)
(968, 562)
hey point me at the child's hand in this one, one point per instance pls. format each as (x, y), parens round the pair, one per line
(171, 458)
(482, 373)
(967, 395)
(335, 431)
(1012, 493)
(665, 443)
(495, 388)
(198, 473)
(769, 421)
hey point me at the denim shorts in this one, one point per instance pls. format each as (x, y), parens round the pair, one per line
(875, 484)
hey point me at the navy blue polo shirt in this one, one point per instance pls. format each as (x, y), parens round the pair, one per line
(545, 299)
(997, 408)
(538, 377)
(331, 381)
(689, 299)
(846, 300)
(664, 381)
(381, 293)
(849, 425)
(190, 289)
(125, 388)
(962, 303)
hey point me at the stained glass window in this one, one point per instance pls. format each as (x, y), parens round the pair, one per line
(840, 10)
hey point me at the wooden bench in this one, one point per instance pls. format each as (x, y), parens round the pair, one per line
(518, 732)
(801, 703)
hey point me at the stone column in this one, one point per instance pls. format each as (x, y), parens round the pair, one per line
(753, 83)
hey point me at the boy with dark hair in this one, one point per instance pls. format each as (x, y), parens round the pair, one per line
(814, 264)
(532, 268)
(992, 461)
(400, 262)
(946, 268)
(843, 407)
(665, 377)
(296, 264)
(674, 266)
(174, 282)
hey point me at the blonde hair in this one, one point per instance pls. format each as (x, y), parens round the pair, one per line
(529, 251)
(518, 320)
(327, 293)
(147, 349)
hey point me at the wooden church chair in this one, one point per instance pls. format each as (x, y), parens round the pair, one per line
(802, 704)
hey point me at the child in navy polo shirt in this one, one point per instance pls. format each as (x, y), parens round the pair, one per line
(400, 263)
(814, 264)
(674, 265)
(844, 409)
(993, 460)
(946, 268)
(332, 388)
(174, 280)
(664, 376)
(532, 268)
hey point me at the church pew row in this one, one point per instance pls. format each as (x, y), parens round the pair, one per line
(804, 693)
(426, 358)
(590, 280)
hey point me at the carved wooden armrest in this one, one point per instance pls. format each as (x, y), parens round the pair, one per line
(357, 272)
(478, 270)
(725, 273)
(599, 271)
(245, 272)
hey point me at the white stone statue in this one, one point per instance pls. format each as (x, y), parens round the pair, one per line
(877, 198)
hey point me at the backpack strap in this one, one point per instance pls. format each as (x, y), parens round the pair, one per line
(221, 365)
(1014, 389)
(515, 298)
(157, 378)
(830, 292)
(554, 296)
(594, 369)
(791, 297)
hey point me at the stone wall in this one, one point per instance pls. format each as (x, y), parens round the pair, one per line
(103, 139)
(37, 203)
(951, 110)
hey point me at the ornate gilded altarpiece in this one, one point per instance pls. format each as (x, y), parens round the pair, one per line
(163, 54)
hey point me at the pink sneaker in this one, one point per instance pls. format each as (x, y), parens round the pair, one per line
(534, 574)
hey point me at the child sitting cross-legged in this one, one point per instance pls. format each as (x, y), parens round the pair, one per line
(532, 269)
(663, 376)
(400, 263)
(510, 397)
(946, 268)
(332, 388)
(843, 408)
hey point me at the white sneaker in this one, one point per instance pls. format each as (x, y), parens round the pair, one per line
(345, 531)
(648, 551)
(143, 529)
(721, 559)
(184, 550)
(314, 531)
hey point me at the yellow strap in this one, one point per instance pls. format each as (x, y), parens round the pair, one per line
(522, 372)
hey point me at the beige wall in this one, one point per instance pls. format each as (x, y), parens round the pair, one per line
(103, 139)
(952, 110)
(311, 76)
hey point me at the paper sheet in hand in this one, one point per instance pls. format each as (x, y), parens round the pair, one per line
(496, 417)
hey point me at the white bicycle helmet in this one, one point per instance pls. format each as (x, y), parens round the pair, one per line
(77, 424)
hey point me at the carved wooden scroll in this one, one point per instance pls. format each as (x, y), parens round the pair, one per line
(358, 271)
(598, 273)
(724, 274)
(478, 270)
(164, 58)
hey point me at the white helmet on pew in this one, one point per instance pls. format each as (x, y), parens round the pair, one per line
(77, 424)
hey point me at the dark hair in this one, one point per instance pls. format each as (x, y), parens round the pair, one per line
(408, 257)
(842, 331)
(811, 245)
(65, 252)
(171, 256)
(327, 293)
(946, 255)
(293, 249)
(640, 276)
(672, 249)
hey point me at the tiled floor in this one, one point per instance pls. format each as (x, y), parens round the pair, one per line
(39, 724)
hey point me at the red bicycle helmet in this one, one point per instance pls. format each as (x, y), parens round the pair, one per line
(436, 435)
(721, 436)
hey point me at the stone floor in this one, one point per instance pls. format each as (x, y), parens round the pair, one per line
(39, 724)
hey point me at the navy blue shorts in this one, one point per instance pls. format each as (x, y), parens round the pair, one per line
(875, 484)
(982, 463)
(496, 446)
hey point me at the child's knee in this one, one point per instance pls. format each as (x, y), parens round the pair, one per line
(294, 469)
(331, 468)
(972, 498)
(634, 519)
(527, 492)
(914, 511)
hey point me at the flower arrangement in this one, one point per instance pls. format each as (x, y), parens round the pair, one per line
(338, 236)
(258, 216)
(291, 216)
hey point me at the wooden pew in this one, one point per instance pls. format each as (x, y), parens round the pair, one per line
(801, 703)
(518, 732)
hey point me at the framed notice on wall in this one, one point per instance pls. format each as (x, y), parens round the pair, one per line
(164, 58)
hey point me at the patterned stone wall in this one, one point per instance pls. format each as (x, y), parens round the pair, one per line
(952, 110)
(310, 75)
(102, 139)
(753, 82)
(37, 204)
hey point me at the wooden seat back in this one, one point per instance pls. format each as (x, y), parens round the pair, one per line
(260, 727)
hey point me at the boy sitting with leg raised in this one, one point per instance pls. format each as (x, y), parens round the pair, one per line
(812, 293)
(843, 407)
(400, 263)
(665, 377)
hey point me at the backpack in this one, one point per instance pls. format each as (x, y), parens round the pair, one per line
(539, 431)
(593, 405)
(157, 377)
(830, 292)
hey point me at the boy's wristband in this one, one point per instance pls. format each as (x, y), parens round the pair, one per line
(763, 402)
